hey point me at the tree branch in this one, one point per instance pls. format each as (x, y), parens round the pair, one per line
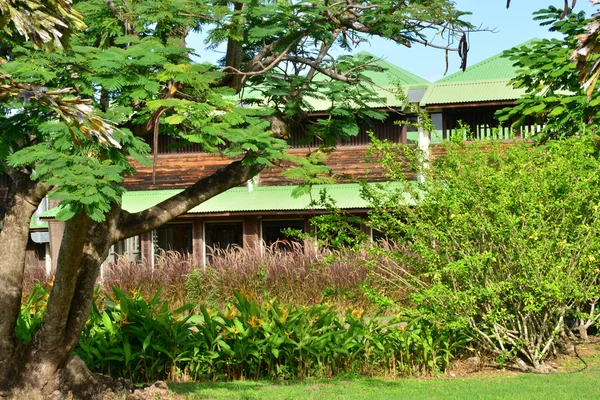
(129, 29)
(232, 175)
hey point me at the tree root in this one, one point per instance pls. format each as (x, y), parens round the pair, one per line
(72, 382)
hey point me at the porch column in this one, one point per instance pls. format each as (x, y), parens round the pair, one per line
(424, 142)
(251, 232)
(147, 248)
(198, 241)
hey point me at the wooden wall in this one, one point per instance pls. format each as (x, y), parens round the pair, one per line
(181, 170)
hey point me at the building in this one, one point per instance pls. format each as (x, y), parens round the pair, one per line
(256, 213)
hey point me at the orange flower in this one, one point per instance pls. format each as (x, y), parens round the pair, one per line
(255, 322)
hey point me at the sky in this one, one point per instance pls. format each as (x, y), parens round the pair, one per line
(510, 27)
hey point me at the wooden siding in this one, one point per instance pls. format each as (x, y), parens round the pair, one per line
(176, 171)
(181, 170)
(35, 255)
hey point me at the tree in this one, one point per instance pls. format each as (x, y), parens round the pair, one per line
(554, 97)
(574, 63)
(132, 64)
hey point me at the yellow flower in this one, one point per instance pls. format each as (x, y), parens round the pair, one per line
(255, 322)
(284, 315)
(230, 313)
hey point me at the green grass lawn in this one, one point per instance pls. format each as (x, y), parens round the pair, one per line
(578, 385)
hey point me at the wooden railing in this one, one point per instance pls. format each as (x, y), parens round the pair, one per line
(482, 124)
(389, 129)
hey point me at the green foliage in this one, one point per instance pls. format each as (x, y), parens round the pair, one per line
(334, 229)
(32, 314)
(555, 98)
(130, 66)
(43, 22)
(135, 338)
(337, 229)
(503, 239)
(143, 341)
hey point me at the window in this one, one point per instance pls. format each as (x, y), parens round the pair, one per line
(128, 248)
(223, 235)
(272, 231)
(174, 237)
(377, 236)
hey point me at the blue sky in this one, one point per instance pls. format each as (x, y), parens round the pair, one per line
(512, 26)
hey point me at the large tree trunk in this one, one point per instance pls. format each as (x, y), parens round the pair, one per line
(45, 367)
(23, 199)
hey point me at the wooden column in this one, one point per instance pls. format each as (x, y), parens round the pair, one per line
(251, 232)
(147, 248)
(56, 229)
(198, 241)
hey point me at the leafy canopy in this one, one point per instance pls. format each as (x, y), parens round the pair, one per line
(554, 97)
(134, 79)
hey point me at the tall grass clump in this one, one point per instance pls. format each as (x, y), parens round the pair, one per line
(291, 274)
(168, 274)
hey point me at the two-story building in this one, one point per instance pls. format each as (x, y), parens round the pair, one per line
(257, 213)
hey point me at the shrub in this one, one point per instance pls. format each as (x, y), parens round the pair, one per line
(33, 309)
(504, 239)
(137, 339)
(277, 340)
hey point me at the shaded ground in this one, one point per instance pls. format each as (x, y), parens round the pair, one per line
(570, 382)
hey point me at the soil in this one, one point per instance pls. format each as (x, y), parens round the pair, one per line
(157, 391)
(567, 362)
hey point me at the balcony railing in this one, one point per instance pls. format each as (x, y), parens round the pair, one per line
(389, 129)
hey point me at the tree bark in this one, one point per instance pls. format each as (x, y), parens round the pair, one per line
(46, 364)
(23, 200)
(225, 178)
(51, 335)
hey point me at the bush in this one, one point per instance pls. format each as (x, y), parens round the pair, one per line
(33, 309)
(137, 339)
(275, 340)
(504, 239)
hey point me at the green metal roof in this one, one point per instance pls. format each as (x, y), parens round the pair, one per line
(487, 80)
(471, 92)
(34, 226)
(384, 83)
(41, 225)
(393, 75)
(261, 198)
